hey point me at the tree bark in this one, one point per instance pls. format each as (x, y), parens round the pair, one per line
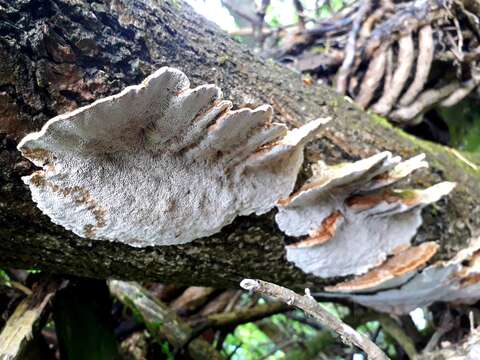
(57, 55)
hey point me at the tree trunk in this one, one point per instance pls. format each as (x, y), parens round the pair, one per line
(57, 55)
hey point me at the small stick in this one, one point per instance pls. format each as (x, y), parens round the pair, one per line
(424, 102)
(404, 65)
(372, 78)
(311, 307)
(445, 326)
(426, 50)
(461, 93)
(344, 71)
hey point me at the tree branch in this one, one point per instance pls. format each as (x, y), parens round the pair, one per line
(87, 51)
(311, 307)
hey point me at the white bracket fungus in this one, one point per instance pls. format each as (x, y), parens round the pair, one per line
(160, 163)
(455, 280)
(395, 271)
(350, 222)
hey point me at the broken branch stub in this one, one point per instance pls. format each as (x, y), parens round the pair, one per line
(348, 221)
(161, 164)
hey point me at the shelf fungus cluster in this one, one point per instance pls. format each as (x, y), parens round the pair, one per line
(161, 164)
(350, 222)
(348, 218)
(456, 280)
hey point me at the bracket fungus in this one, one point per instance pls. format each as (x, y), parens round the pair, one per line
(161, 164)
(347, 218)
(455, 280)
(395, 271)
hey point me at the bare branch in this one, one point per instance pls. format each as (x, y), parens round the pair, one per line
(301, 14)
(191, 299)
(372, 78)
(350, 49)
(392, 328)
(261, 12)
(424, 102)
(424, 62)
(461, 93)
(445, 326)
(400, 76)
(311, 307)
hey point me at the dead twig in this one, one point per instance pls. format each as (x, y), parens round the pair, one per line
(19, 286)
(391, 327)
(462, 158)
(350, 48)
(389, 64)
(237, 317)
(191, 299)
(424, 102)
(308, 304)
(261, 12)
(404, 65)
(372, 78)
(461, 93)
(424, 63)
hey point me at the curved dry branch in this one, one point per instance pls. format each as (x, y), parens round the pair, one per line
(389, 68)
(426, 50)
(461, 93)
(350, 48)
(424, 102)
(372, 78)
(308, 304)
(406, 53)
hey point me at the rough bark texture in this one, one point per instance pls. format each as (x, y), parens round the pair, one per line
(56, 55)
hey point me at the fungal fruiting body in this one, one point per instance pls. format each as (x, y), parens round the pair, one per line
(161, 164)
(349, 220)
(456, 280)
(396, 270)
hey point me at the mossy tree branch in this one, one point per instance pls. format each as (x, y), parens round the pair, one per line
(57, 55)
